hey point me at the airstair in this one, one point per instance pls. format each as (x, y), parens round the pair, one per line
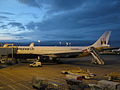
(97, 59)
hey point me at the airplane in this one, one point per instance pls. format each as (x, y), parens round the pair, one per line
(117, 51)
(56, 52)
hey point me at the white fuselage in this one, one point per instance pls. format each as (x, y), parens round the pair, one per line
(41, 50)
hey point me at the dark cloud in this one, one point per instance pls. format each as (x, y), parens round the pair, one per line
(71, 19)
(16, 24)
(7, 13)
(62, 36)
(33, 3)
(13, 24)
(75, 22)
(90, 17)
(60, 5)
(6, 33)
(3, 17)
(28, 14)
(86, 8)
(31, 25)
(3, 26)
(35, 16)
(54, 4)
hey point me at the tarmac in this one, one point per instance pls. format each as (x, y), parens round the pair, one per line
(19, 76)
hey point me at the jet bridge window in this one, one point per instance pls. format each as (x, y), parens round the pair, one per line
(26, 48)
(19, 48)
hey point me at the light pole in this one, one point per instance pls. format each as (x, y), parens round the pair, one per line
(67, 43)
(39, 42)
(60, 43)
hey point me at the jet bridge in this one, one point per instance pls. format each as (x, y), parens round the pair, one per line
(7, 54)
(97, 59)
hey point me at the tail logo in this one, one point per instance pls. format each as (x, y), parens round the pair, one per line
(103, 41)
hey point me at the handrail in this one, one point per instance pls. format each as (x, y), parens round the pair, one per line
(96, 55)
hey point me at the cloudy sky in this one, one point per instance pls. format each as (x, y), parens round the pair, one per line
(58, 19)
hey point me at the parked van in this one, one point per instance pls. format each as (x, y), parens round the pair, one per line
(36, 64)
